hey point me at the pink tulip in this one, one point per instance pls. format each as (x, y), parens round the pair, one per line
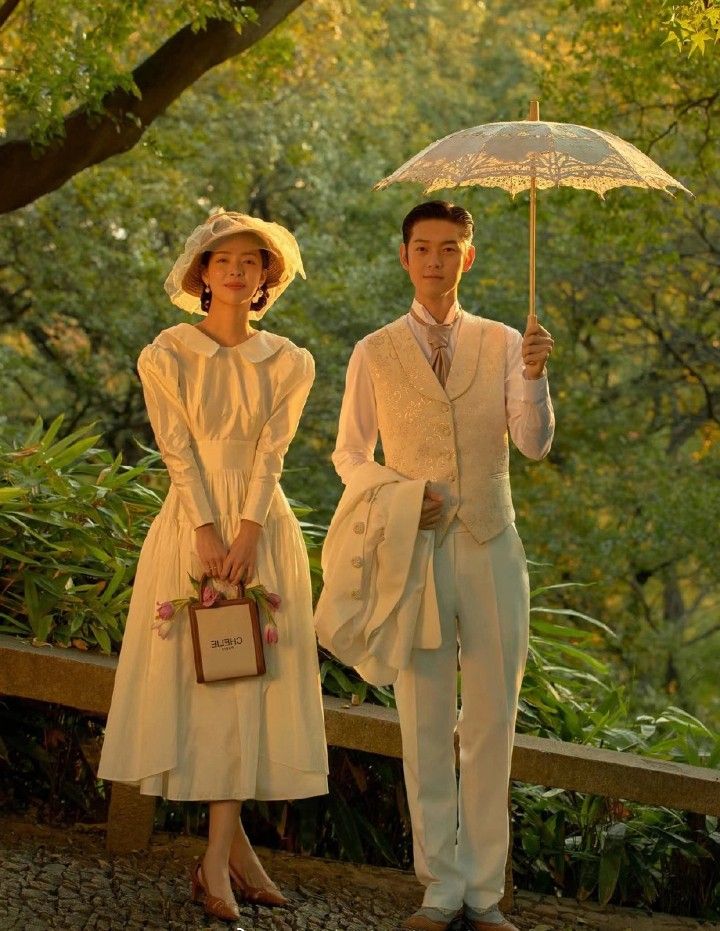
(271, 634)
(165, 610)
(163, 628)
(209, 596)
(274, 601)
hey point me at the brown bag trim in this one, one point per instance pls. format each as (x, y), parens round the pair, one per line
(195, 606)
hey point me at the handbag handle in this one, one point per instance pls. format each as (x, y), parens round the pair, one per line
(204, 578)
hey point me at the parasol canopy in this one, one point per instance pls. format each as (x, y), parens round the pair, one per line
(532, 154)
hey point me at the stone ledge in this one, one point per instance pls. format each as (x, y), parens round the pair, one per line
(66, 677)
(85, 680)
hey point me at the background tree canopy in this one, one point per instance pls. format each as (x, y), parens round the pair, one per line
(297, 130)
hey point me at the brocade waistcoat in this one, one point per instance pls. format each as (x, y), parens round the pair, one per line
(454, 437)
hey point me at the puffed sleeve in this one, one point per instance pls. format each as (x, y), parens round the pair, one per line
(290, 396)
(158, 370)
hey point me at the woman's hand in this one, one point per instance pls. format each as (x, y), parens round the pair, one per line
(241, 560)
(210, 549)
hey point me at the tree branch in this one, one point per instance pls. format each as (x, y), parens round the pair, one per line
(703, 636)
(91, 138)
(6, 10)
(704, 102)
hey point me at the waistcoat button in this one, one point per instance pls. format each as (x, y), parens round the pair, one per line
(358, 562)
(359, 527)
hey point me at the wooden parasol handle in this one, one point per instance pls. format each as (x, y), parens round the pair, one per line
(534, 114)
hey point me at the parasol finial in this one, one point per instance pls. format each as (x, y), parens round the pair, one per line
(534, 113)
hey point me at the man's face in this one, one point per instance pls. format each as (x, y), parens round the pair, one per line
(436, 257)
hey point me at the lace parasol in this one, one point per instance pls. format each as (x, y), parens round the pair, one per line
(532, 154)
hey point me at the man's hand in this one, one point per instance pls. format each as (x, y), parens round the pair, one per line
(241, 560)
(537, 345)
(431, 510)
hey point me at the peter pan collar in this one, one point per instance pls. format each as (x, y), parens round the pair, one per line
(259, 347)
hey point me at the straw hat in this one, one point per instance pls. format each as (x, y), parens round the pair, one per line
(184, 284)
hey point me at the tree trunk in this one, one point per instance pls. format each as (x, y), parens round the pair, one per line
(674, 616)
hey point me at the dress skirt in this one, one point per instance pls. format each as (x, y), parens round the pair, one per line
(260, 738)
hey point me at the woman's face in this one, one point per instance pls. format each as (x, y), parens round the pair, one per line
(235, 270)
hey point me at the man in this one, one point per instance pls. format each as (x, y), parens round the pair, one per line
(443, 388)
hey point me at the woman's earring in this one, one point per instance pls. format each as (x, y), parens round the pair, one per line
(205, 298)
(258, 295)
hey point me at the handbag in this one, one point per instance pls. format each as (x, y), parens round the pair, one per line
(226, 636)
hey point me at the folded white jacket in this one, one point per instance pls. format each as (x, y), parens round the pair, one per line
(378, 602)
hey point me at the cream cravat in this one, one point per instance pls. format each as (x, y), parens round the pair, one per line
(438, 337)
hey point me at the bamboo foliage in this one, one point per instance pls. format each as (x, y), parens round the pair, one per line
(72, 519)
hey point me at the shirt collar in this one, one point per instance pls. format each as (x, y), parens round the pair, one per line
(259, 347)
(428, 317)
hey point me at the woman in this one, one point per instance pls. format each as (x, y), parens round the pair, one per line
(224, 401)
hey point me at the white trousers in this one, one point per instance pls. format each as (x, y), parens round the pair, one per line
(460, 834)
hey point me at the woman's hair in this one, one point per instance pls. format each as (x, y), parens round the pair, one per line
(206, 296)
(439, 210)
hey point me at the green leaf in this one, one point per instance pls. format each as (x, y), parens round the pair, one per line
(345, 828)
(569, 612)
(559, 585)
(60, 459)
(118, 577)
(9, 493)
(102, 638)
(611, 861)
(51, 432)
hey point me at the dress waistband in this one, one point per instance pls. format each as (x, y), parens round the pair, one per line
(224, 454)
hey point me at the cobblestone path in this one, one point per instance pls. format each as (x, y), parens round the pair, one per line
(58, 880)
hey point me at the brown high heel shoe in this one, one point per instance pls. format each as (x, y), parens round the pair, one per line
(214, 906)
(256, 895)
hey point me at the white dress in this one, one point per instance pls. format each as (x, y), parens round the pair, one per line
(223, 418)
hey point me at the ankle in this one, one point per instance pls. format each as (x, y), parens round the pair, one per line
(241, 850)
(214, 860)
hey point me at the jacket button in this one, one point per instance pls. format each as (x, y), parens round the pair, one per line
(445, 430)
(356, 594)
(359, 527)
(358, 562)
(452, 476)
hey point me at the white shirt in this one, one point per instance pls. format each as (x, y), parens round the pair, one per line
(528, 407)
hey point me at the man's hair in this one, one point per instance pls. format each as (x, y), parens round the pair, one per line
(439, 210)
